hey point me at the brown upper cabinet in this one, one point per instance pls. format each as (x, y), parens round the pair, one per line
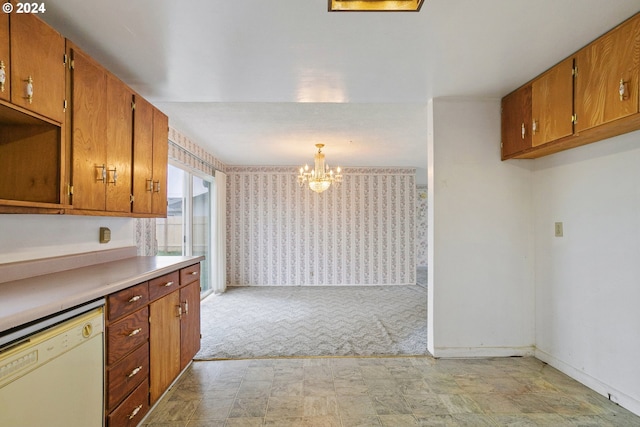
(101, 137)
(589, 96)
(516, 122)
(33, 155)
(5, 62)
(150, 159)
(607, 77)
(552, 104)
(37, 66)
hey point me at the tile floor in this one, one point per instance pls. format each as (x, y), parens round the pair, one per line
(388, 391)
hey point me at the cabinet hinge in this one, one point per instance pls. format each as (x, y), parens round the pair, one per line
(574, 119)
(131, 198)
(70, 190)
(574, 71)
(64, 105)
(72, 64)
(64, 59)
(133, 105)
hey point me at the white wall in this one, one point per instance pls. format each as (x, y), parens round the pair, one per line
(25, 237)
(588, 282)
(481, 300)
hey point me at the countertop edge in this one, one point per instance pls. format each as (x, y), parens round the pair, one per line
(17, 308)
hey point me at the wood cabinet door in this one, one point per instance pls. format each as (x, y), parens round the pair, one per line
(142, 155)
(119, 145)
(552, 104)
(190, 323)
(164, 343)
(37, 53)
(605, 67)
(5, 64)
(88, 132)
(516, 122)
(160, 162)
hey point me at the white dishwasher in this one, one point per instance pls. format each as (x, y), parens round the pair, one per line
(54, 376)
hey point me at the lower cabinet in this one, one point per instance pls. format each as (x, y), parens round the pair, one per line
(153, 332)
(164, 352)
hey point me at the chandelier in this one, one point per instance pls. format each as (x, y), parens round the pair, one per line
(320, 177)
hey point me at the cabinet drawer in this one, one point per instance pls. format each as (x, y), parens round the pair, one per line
(189, 274)
(127, 301)
(163, 285)
(125, 375)
(132, 410)
(127, 334)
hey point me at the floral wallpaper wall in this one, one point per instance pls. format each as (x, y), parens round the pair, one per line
(187, 152)
(360, 233)
(421, 230)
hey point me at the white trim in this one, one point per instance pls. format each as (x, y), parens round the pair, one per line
(613, 394)
(472, 352)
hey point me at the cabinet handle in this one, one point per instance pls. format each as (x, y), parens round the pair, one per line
(622, 90)
(101, 173)
(135, 412)
(135, 332)
(135, 372)
(534, 127)
(149, 185)
(28, 89)
(114, 174)
(135, 298)
(156, 186)
(168, 284)
(186, 307)
(524, 131)
(179, 311)
(3, 76)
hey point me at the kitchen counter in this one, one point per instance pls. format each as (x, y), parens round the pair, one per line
(32, 298)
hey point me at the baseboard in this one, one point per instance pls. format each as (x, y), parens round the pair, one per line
(596, 385)
(471, 352)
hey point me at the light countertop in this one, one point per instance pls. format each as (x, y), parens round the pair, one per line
(28, 299)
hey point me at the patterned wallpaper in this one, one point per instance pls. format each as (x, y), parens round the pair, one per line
(187, 152)
(421, 230)
(360, 233)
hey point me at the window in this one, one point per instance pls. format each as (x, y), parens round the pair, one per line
(187, 229)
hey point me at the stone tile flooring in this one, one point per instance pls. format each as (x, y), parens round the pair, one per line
(382, 391)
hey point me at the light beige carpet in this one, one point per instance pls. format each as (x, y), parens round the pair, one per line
(281, 321)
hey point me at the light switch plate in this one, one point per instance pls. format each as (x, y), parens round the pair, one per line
(559, 229)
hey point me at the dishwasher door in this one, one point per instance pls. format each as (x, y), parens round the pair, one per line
(55, 377)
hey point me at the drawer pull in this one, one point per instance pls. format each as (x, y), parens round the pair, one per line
(134, 372)
(135, 412)
(135, 298)
(168, 284)
(193, 273)
(135, 332)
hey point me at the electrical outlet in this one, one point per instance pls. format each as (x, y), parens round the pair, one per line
(559, 229)
(105, 235)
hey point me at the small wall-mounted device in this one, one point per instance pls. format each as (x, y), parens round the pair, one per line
(105, 235)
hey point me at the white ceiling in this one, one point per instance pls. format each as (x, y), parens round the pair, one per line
(260, 82)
